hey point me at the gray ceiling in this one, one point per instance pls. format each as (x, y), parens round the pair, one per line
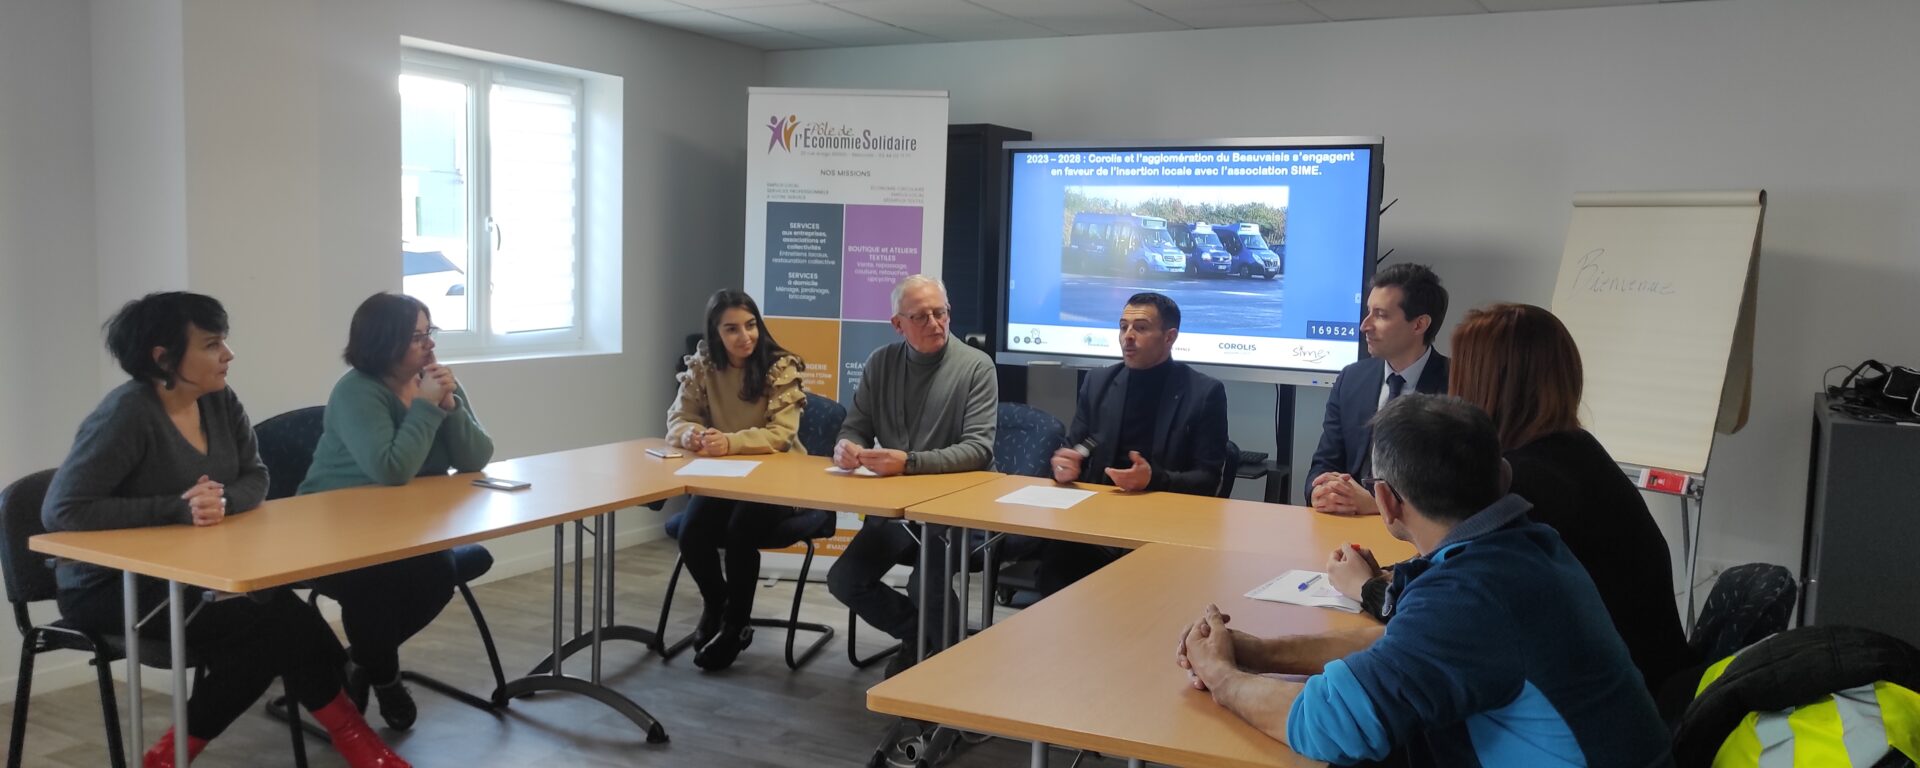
(780, 25)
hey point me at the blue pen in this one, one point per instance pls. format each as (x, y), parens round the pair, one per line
(1308, 583)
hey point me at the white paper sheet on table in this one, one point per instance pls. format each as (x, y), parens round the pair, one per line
(717, 468)
(1046, 496)
(856, 471)
(1319, 592)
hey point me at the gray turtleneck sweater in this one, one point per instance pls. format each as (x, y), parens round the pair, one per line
(939, 408)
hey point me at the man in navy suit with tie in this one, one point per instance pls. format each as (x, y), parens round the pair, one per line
(1148, 424)
(1404, 312)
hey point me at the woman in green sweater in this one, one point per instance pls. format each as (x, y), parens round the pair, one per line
(740, 394)
(398, 414)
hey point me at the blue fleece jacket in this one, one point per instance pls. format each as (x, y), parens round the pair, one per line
(1500, 653)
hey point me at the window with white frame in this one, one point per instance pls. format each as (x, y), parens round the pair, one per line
(491, 179)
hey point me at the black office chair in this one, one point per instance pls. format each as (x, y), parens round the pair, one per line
(1748, 603)
(1024, 441)
(29, 580)
(819, 426)
(1229, 469)
(286, 444)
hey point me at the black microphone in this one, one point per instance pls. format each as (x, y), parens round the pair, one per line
(1085, 448)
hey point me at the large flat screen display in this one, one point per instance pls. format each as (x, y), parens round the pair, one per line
(1266, 245)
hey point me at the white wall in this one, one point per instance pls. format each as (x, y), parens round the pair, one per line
(292, 147)
(292, 154)
(140, 164)
(251, 151)
(1493, 122)
(49, 341)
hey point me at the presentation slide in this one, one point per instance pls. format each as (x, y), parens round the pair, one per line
(1263, 249)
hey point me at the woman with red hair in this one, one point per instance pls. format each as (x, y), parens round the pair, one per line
(1518, 363)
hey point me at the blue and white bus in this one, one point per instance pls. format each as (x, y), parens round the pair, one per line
(1121, 243)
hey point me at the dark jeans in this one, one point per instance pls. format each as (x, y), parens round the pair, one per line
(740, 528)
(882, 544)
(383, 605)
(1064, 562)
(242, 644)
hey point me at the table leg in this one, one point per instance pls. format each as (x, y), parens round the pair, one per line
(177, 632)
(1038, 756)
(553, 679)
(582, 637)
(926, 575)
(600, 550)
(1134, 762)
(989, 580)
(130, 613)
(946, 588)
(559, 593)
(959, 609)
(579, 575)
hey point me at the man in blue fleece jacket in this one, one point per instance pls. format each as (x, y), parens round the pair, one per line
(1500, 652)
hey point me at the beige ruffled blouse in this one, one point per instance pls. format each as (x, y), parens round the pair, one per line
(710, 397)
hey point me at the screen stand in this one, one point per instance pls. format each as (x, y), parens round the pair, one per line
(1280, 467)
(1052, 387)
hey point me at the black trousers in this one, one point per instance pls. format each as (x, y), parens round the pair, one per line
(882, 544)
(381, 606)
(1064, 562)
(740, 528)
(242, 644)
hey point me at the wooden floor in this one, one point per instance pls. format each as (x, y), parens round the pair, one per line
(754, 714)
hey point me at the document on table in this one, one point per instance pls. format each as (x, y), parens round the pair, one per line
(856, 471)
(1309, 588)
(1046, 496)
(717, 468)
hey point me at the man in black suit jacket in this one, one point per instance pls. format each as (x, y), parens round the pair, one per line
(1404, 312)
(1152, 424)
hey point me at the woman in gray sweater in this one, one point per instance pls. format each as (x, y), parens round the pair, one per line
(174, 447)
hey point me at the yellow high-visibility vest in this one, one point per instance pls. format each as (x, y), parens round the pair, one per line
(1854, 727)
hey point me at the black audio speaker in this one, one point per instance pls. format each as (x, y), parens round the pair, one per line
(1863, 525)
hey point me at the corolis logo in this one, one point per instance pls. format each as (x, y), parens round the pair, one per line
(782, 128)
(1235, 346)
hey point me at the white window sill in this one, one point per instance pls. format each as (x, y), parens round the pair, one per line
(507, 356)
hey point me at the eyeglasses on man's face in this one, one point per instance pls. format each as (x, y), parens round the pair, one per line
(936, 315)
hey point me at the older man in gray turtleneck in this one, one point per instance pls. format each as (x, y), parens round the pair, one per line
(926, 405)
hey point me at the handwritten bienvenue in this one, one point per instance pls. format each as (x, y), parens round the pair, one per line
(1593, 277)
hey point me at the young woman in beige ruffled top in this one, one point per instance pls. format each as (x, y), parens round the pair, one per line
(745, 398)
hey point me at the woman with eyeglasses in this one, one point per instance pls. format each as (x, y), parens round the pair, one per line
(173, 446)
(396, 415)
(1518, 363)
(740, 395)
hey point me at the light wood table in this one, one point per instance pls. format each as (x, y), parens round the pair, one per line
(1091, 667)
(782, 479)
(803, 481)
(1296, 535)
(294, 539)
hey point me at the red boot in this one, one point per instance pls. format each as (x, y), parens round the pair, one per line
(353, 739)
(160, 755)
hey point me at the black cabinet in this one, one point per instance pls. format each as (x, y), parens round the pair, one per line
(976, 199)
(1863, 525)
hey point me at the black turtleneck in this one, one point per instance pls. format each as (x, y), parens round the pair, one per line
(1146, 390)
